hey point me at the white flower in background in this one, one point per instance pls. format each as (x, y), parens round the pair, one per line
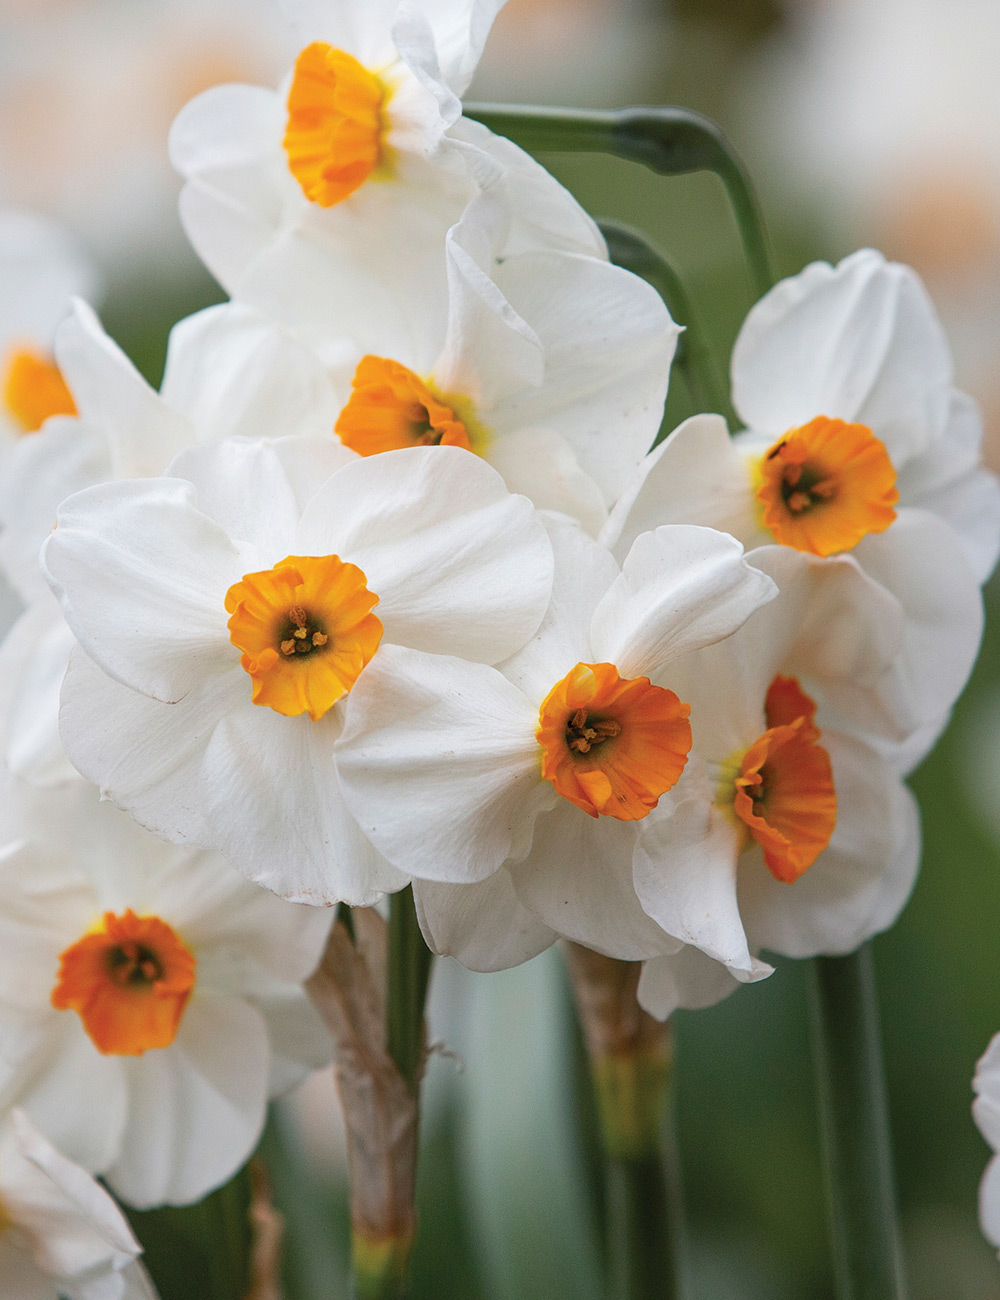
(229, 609)
(339, 188)
(856, 442)
(88, 90)
(61, 1234)
(228, 371)
(519, 793)
(41, 270)
(986, 1113)
(151, 998)
(553, 366)
(785, 833)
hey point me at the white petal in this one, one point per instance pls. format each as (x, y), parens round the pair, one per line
(143, 576)
(681, 588)
(859, 341)
(485, 926)
(361, 30)
(858, 885)
(577, 879)
(40, 472)
(272, 805)
(544, 467)
(584, 570)
(196, 1108)
(986, 1084)
(33, 660)
(443, 544)
(608, 342)
(989, 1202)
(921, 561)
(949, 480)
(232, 372)
(695, 476)
(685, 876)
(690, 980)
(299, 1040)
(41, 269)
(439, 763)
(460, 32)
(143, 433)
(145, 755)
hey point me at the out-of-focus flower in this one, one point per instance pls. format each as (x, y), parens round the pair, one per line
(531, 783)
(843, 377)
(233, 606)
(61, 1234)
(986, 1113)
(339, 189)
(88, 89)
(785, 832)
(151, 1000)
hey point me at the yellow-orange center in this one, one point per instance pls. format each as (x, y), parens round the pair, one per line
(612, 745)
(334, 134)
(33, 389)
(129, 981)
(306, 630)
(391, 407)
(784, 789)
(823, 487)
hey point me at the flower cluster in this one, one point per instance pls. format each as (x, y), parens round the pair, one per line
(384, 587)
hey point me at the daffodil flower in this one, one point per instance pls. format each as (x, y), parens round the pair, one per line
(515, 797)
(230, 610)
(151, 998)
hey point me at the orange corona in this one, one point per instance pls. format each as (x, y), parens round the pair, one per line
(306, 631)
(33, 389)
(129, 981)
(334, 135)
(825, 486)
(391, 407)
(612, 745)
(784, 792)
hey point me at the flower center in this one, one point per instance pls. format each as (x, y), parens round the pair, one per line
(306, 631)
(824, 486)
(336, 123)
(612, 745)
(391, 407)
(129, 981)
(33, 389)
(785, 795)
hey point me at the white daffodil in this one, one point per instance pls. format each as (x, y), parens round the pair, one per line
(61, 1234)
(340, 186)
(41, 270)
(515, 797)
(844, 380)
(553, 366)
(150, 999)
(228, 371)
(229, 609)
(986, 1113)
(784, 833)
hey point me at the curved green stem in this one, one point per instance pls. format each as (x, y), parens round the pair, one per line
(854, 1121)
(670, 141)
(630, 249)
(409, 975)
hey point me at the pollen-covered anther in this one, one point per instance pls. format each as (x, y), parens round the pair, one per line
(784, 791)
(612, 745)
(391, 407)
(334, 138)
(306, 630)
(129, 980)
(824, 486)
(33, 389)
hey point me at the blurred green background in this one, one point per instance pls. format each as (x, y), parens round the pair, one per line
(508, 1206)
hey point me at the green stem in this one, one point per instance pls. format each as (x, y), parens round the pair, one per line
(670, 141)
(694, 358)
(641, 1263)
(409, 974)
(854, 1121)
